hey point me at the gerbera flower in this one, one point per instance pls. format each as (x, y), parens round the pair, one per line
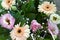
(55, 18)
(47, 8)
(35, 25)
(53, 29)
(7, 21)
(20, 33)
(7, 4)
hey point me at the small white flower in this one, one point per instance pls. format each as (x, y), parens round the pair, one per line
(7, 4)
(20, 33)
(47, 8)
(55, 18)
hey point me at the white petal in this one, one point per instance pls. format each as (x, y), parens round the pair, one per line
(27, 26)
(27, 30)
(26, 35)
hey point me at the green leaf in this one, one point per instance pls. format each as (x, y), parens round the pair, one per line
(31, 16)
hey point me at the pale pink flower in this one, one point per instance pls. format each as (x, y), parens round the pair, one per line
(7, 21)
(20, 33)
(34, 25)
(53, 29)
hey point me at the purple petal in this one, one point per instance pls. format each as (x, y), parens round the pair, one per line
(3, 21)
(35, 25)
(53, 27)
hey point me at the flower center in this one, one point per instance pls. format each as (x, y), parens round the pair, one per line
(19, 31)
(47, 7)
(53, 30)
(8, 21)
(54, 18)
(9, 1)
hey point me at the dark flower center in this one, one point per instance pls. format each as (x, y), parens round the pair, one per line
(19, 31)
(8, 21)
(8, 1)
(54, 18)
(47, 7)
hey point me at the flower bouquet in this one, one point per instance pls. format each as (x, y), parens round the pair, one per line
(29, 20)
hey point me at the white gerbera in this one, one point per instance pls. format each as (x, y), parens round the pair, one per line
(20, 33)
(55, 18)
(7, 4)
(47, 8)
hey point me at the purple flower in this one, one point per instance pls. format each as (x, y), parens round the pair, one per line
(7, 21)
(34, 26)
(53, 29)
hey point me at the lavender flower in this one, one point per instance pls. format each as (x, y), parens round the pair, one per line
(35, 25)
(53, 29)
(7, 21)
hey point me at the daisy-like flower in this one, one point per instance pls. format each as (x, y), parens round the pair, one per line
(47, 7)
(55, 18)
(7, 4)
(53, 29)
(7, 21)
(35, 25)
(20, 33)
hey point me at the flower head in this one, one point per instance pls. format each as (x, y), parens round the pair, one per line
(7, 21)
(47, 8)
(35, 25)
(53, 29)
(55, 18)
(20, 33)
(7, 4)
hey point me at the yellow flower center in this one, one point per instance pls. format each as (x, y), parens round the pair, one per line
(54, 18)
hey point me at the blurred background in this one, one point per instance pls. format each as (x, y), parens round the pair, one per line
(57, 2)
